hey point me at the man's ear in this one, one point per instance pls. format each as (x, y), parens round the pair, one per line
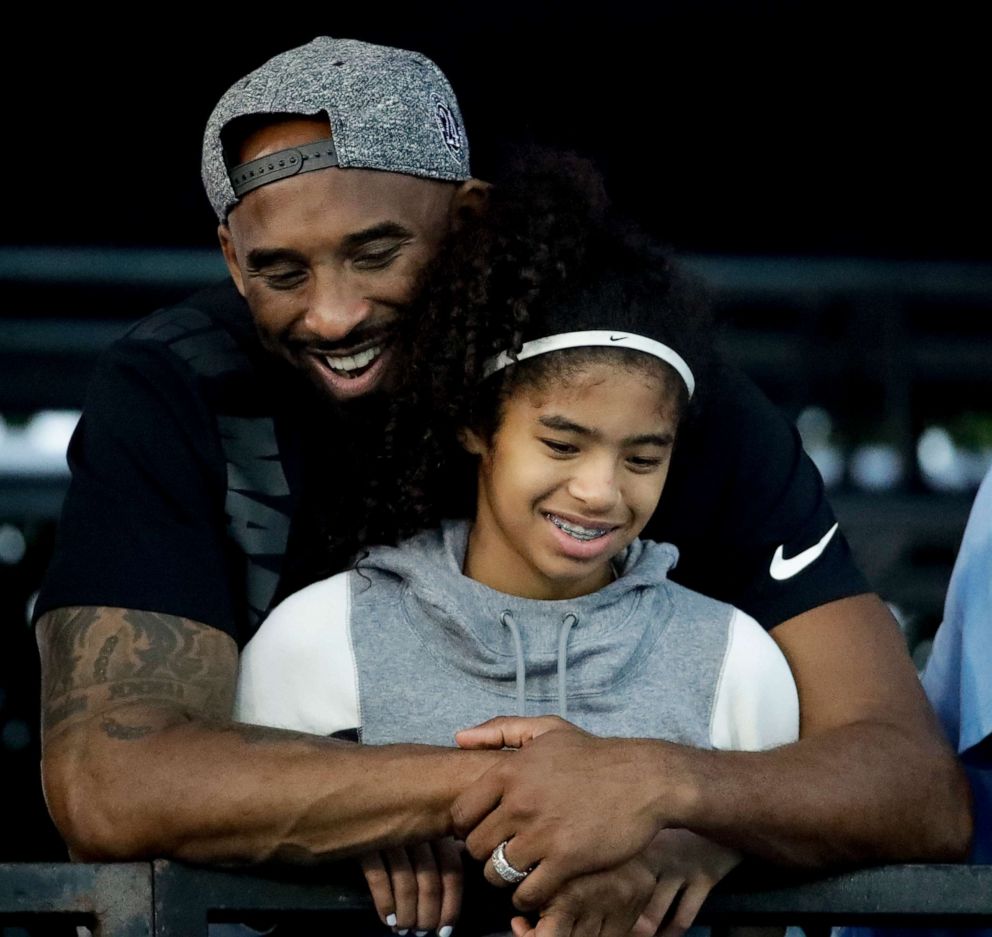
(470, 200)
(230, 256)
(471, 441)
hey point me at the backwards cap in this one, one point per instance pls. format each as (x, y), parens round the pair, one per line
(389, 109)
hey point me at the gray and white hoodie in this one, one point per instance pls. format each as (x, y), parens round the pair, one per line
(406, 648)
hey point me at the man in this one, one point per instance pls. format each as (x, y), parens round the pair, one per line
(219, 433)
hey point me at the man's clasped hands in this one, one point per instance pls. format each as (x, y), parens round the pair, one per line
(566, 816)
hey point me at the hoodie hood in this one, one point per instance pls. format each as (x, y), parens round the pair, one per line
(526, 648)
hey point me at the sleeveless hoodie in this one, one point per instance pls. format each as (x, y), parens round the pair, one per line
(428, 651)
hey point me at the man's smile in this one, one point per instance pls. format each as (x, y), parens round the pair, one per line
(353, 365)
(351, 372)
(350, 359)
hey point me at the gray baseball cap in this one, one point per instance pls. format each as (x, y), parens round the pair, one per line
(389, 109)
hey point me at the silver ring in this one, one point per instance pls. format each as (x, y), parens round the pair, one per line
(502, 867)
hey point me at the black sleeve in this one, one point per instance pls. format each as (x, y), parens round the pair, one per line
(143, 523)
(746, 507)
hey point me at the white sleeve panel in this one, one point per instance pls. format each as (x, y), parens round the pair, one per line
(756, 704)
(298, 671)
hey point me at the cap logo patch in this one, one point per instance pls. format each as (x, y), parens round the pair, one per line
(448, 125)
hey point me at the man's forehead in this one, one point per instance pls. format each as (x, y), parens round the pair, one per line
(280, 134)
(336, 207)
(348, 197)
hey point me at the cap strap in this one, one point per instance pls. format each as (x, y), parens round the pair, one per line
(281, 164)
(541, 346)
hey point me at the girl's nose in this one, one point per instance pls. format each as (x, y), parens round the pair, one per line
(595, 485)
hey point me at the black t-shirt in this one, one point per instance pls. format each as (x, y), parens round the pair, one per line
(203, 465)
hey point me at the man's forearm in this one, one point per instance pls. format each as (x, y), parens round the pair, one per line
(571, 803)
(859, 793)
(141, 757)
(871, 778)
(207, 791)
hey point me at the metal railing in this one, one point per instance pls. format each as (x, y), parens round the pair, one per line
(171, 899)
(753, 276)
(114, 899)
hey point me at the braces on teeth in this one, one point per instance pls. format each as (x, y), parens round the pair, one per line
(576, 531)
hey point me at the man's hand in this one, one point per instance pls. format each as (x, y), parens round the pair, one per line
(417, 887)
(567, 802)
(870, 779)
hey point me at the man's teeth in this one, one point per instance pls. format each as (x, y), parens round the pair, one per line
(348, 363)
(576, 530)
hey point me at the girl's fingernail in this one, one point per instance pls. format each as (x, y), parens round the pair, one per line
(421, 933)
(445, 931)
(391, 920)
(402, 933)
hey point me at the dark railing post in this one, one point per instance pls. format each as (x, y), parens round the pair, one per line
(906, 895)
(114, 900)
(171, 899)
(188, 897)
(909, 895)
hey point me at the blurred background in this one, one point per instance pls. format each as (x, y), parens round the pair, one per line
(824, 168)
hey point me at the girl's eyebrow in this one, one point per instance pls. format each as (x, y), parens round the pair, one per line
(565, 425)
(650, 439)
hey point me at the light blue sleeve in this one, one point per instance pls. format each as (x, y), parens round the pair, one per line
(958, 680)
(958, 676)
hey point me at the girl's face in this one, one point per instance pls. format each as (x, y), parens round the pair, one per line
(570, 478)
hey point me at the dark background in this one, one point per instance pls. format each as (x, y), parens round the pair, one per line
(745, 127)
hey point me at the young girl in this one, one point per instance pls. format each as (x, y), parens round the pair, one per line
(561, 358)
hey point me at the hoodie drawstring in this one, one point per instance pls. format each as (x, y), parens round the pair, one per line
(568, 621)
(506, 620)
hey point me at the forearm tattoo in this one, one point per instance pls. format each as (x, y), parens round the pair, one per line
(117, 730)
(97, 659)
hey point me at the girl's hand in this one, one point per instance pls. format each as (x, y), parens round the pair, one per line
(665, 885)
(608, 904)
(687, 866)
(417, 888)
(510, 731)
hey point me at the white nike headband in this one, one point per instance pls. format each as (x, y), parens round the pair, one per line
(541, 346)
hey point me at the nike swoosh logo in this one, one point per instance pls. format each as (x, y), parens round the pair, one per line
(783, 568)
(620, 338)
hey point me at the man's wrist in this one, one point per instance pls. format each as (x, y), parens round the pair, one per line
(466, 767)
(670, 790)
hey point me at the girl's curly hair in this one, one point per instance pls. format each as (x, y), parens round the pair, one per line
(547, 255)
